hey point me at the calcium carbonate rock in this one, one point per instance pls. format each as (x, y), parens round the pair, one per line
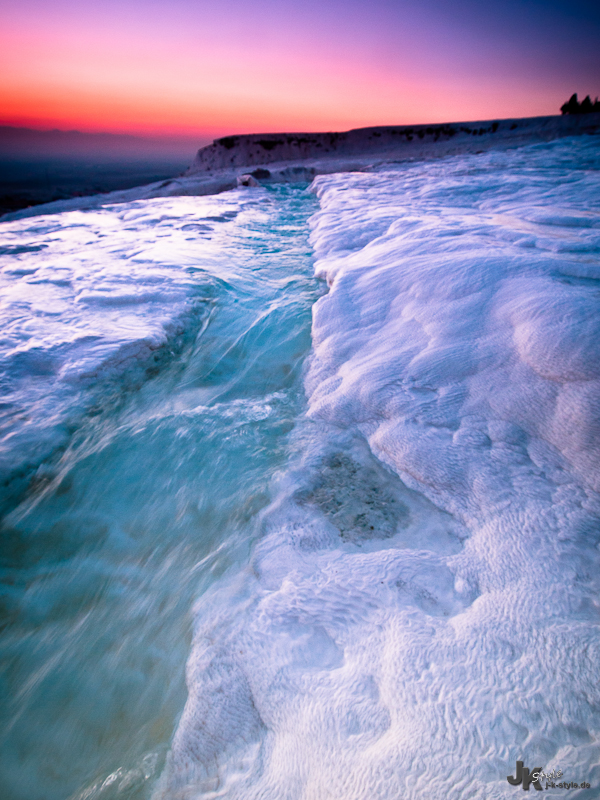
(247, 180)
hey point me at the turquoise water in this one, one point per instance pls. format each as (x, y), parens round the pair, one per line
(155, 492)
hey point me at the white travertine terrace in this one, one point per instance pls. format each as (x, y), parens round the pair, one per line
(299, 157)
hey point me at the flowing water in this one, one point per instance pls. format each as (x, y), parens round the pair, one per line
(253, 555)
(152, 360)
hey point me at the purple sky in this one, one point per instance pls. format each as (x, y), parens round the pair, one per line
(210, 68)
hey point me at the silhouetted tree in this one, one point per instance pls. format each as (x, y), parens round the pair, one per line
(573, 106)
(586, 105)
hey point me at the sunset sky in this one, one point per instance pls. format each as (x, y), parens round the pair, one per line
(211, 68)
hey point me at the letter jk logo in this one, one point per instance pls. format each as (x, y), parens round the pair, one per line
(526, 776)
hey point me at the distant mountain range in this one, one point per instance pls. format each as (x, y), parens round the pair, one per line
(18, 142)
(38, 166)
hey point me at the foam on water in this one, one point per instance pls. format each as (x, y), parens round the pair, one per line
(422, 608)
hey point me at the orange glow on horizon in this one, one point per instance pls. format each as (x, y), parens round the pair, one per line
(107, 78)
(100, 110)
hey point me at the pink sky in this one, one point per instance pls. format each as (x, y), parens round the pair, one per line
(266, 66)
